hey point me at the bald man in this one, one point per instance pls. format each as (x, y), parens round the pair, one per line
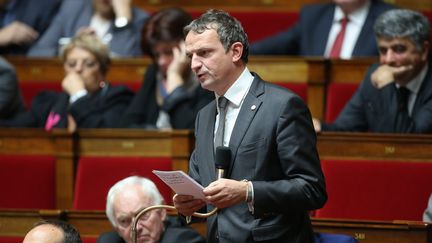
(52, 232)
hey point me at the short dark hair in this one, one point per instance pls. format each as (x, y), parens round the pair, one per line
(165, 25)
(70, 234)
(228, 28)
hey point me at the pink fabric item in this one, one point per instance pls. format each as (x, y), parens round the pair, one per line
(52, 120)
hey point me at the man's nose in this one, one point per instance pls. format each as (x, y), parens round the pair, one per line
(389, 57)
(195, 63)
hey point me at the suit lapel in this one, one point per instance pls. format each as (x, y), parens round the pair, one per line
(425, 91)
(366, 36)
(320, 37)
(209, 134)
(250, 107)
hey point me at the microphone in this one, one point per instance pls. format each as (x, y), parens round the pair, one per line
(222, 161)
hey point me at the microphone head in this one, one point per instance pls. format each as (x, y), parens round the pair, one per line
(222, 157)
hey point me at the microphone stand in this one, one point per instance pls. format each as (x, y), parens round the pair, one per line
(223, 158)
(169, 208)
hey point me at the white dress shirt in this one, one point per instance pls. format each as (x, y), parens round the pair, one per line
(235, 95)
(352, 31)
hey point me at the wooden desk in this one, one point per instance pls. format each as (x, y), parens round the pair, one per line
(88, 223)
(310, 71)
(176, 144)
(51, 69)
(93, 223)
(19, 222)
(377, 231)
(349, 71)
(364, 146)
(58, 143)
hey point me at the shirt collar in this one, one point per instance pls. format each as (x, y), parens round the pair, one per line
(238, 90)
(357, 17)
(415, 84)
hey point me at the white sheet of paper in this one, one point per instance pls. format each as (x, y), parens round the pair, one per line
(181, 183)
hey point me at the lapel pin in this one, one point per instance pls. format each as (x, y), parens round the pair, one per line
(253, 107)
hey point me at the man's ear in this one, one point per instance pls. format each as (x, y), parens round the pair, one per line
(237, 51)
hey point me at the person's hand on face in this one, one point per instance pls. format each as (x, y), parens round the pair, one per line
(178, 68)
(73, 83)
(386, 74)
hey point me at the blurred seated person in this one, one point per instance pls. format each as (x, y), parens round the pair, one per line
(126, 198)
(11, 101)
(51, 231)
(22, 22)
(318, 27)
(87, 100)
(116, 22)
(396, 95)
(170, 96)
(427, 216)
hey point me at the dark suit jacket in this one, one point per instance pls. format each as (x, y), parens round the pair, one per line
(375, 110)
(308, 37)
(274, 146)
(174, 232)
(75, 14)
(181, 105)
(101, 110)
(11, 101)
(36, 14)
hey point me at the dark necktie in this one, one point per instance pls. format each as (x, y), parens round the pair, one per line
(222, 103)
(337, 44)
(402, 117)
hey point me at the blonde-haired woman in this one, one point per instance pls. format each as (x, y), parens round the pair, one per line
(87, 100)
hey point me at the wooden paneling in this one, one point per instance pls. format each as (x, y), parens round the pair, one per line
(177, 144)
(374, 146)
(130, 71)
(349, 71)
(19, 222)
(377, 231)
(58, 143)
(93, 223)
(51, 69)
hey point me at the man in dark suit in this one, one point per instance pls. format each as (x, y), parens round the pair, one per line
(22, 22)
(275, 176)
(395, 96)
(126, 198)
(318, 25)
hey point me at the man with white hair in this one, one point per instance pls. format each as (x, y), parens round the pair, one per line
(129, 196)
